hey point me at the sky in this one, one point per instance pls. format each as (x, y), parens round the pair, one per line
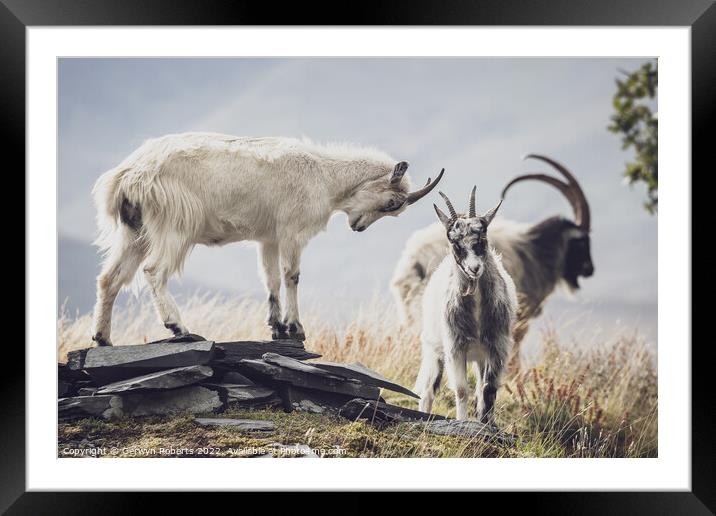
(476, 117)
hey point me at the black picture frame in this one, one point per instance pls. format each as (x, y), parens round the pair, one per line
(17, 15)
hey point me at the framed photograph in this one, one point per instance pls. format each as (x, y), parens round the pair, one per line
(423, 244)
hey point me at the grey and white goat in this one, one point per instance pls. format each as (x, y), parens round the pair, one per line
(538, 257)
(202, 188)
(468, 311)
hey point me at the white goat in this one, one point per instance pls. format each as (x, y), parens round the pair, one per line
(200, 188)
(538, 257)
(468, 311)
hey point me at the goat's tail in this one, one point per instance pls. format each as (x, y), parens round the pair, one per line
(108, 202)
(150, 210)
(114, 238)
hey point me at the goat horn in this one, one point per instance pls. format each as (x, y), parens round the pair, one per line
(472, 202)
(579, 204)
(560, 185)
(453, 213)
(425, 190)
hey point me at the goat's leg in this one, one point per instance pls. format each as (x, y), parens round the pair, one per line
(487, 392)
(456, 365)
(518, 335)
(429, 377)
(489, 370)
(269, 259)
(157, 276)
(118, 270)
(525, 312)
(479, 384)
(291, 265)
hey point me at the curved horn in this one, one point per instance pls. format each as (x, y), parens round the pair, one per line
(581, 214)
(453, 213)
(559, 185)
(472, 202)
(425, 190)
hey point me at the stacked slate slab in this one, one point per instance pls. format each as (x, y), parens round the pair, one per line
(200, 376)
(170, 376)
(316, 386)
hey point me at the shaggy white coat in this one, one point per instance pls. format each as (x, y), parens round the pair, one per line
(213, 189)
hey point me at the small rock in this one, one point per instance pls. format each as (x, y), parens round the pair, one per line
(87, 391)
(106, 407)
(308, 406)
(467, 428)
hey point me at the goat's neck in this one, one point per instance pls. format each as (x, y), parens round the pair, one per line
(543, 256)
(342, 179)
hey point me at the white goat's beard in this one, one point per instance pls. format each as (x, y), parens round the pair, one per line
(470, 288)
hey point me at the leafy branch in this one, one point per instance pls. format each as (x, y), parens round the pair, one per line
(638, 126)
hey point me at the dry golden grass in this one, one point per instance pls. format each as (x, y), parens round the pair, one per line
(569, 402)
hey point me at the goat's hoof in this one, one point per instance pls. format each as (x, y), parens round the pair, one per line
(297, 336)
(101, 341)
(295, 331)
(279, 331)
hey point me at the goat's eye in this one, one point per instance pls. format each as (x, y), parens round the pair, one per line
(391, 206)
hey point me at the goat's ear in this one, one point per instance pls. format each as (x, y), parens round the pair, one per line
(398, 172)
(443, 218)
(491, 214)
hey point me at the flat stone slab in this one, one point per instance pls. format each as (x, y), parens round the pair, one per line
(243, 425)
(358, 371)
(381, 414)
(297, 365)
(467, 428)
(166, 379)
(231, 353)
(285, 370)
(108, 364)
(313, 400)
(77, 407)
(194, 399)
